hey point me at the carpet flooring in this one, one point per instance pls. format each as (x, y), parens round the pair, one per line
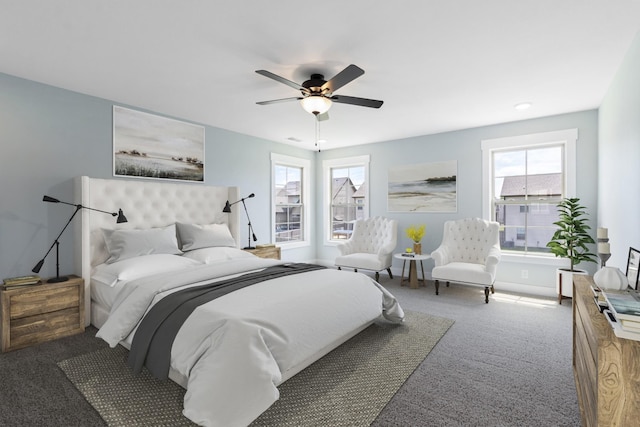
(347, 387)
(506, 363)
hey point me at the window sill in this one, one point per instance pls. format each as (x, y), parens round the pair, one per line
(533, 259)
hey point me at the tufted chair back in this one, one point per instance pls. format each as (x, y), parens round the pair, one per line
(371, 235)
(469, 254)
(370, 246)
(470, 239)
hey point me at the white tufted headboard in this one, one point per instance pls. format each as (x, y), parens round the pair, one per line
(146, 204)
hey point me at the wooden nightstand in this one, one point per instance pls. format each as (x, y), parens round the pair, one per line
(38, 313)
(266, 252)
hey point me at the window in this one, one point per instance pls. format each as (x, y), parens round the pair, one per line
(290, 199)
(346, 195)
(524, 178)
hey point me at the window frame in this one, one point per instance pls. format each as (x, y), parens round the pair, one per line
(305, 165)
(327, 166)
(567, 138)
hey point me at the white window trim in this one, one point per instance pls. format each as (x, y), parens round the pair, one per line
(327, 165)
(281, 159)
(568, 137)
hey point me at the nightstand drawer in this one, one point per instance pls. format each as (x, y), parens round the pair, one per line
(43, 301)
(44, 327)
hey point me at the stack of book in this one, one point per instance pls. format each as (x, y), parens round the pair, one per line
(14, 282)
(624, 313)
(599, 299)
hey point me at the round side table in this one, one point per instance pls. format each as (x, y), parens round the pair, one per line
(413, 280)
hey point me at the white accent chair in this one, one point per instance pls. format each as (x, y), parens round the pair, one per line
(370, 246)
(469, 254)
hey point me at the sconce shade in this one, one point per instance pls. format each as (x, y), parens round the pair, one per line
(121, 217)
(610, 278)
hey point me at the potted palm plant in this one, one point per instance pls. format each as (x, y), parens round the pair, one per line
(570, 241)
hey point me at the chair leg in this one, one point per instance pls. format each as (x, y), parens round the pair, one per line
(339, 268)
(447, 284)
(377, 276)
(355, 270)
(486, 295)
(437, 286)
(493, 291)
(389, 271)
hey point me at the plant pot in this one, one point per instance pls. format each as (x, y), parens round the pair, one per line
(564, 282)
(417, 248)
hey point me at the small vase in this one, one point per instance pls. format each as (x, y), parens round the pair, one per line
(611, 278)
(417, 248)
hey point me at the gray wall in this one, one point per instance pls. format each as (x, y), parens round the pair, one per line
(464, 146)
(49, 135)
(619, 159)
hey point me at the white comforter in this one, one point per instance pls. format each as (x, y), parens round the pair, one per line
(236, 349)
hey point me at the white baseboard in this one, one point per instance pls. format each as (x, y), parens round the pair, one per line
(542, 291)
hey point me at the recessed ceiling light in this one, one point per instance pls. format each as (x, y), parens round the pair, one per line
(522, 106)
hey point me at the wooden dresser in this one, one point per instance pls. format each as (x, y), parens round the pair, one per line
(39, 313)
(606, 368)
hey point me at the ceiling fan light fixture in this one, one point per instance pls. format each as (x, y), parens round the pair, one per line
(316, 104)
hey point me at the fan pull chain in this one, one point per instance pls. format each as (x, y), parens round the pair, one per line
(317, 132)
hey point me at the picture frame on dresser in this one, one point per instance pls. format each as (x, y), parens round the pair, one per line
(633, 263)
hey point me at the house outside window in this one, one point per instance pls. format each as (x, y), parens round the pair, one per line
(346, 195)
(290, 192)
(523, 180)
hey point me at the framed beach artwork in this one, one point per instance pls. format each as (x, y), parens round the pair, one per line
(150, 146)
(424, 187)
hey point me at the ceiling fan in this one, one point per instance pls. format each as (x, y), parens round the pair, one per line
(317, 93)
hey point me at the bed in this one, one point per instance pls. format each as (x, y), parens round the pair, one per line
(232, 352)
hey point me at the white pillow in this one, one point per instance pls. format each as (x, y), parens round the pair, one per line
(123, 244)
(194, 236)
(219, 254)
(142, 266)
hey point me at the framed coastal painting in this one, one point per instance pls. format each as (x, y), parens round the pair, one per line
(150, 146)
(424, 187)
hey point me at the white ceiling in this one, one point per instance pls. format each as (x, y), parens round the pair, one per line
(439, 65)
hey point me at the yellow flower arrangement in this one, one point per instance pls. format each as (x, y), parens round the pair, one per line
(415, 233)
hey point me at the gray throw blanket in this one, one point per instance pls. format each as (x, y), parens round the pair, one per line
(151, 346)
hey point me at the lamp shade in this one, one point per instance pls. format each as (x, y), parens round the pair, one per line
(611, 278)
(316, 104)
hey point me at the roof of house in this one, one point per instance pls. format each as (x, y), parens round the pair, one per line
(549, 184)
(361, 192)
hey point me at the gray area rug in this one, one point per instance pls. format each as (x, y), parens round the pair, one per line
(347, 387)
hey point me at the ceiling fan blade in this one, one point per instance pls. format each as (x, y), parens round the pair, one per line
(275, 101)
(322, 117)
(345, 76)
(363, 102)
(281, 80)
